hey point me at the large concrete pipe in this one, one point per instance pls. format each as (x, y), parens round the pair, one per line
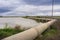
(32, 33)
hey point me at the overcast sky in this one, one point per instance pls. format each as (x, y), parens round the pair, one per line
(29, 7)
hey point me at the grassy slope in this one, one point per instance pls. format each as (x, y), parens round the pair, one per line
(8, 32)
(48, 34)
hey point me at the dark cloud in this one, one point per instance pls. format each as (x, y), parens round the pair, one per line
(57, 2)
(41, 2)
(10, 6)
(3, 10)
(38, 2)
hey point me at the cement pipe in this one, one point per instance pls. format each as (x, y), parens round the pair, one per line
(32, 33)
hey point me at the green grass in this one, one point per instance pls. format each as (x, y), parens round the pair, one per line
(45, 35)
(48, 34)
(8, 32)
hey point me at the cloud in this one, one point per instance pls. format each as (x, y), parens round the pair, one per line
(10, 3)
(56, 14)
(57, 2)
(27, 8)
(30, 10)
(42, 2)
(38, 2)
(4, 10)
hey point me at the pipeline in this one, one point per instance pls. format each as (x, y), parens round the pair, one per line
(32, 33)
